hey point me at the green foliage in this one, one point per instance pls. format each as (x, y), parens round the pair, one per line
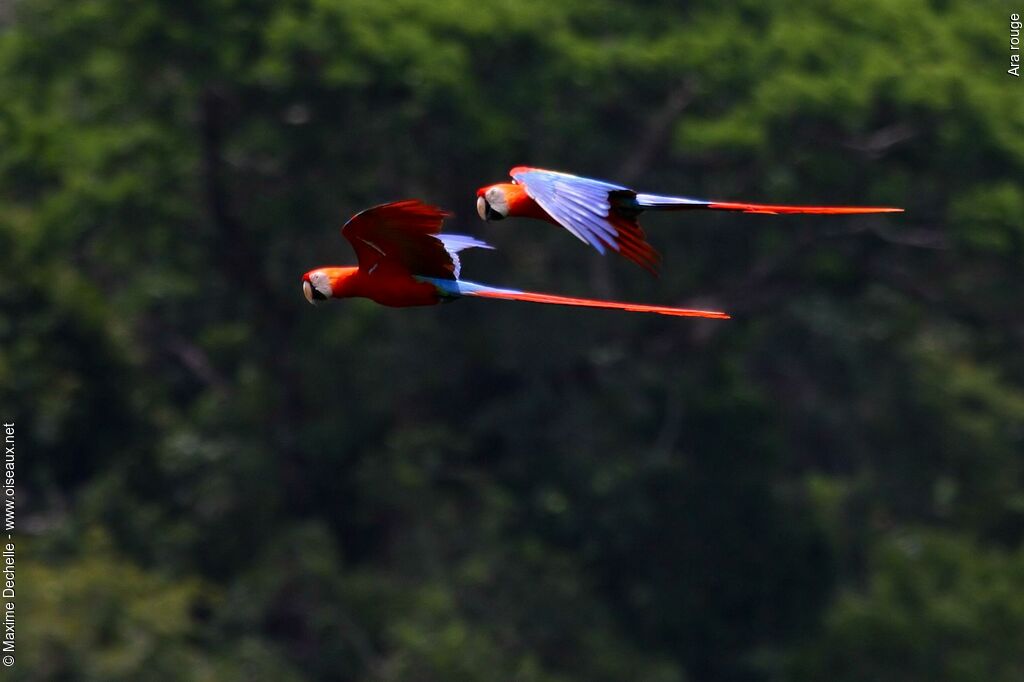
(935, 608)
(99, 617)
(223, 483)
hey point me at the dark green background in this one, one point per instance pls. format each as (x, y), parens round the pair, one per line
(219, 482)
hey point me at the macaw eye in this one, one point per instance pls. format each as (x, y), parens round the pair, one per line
(320, 285)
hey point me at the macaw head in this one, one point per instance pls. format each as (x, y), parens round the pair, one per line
(324, 283)
(492, 203)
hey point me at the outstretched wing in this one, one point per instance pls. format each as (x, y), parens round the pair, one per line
(406, 234)
(583, 206)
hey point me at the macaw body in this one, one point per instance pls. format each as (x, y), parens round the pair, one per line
(394, 289)
(605, 215)
(404, 260)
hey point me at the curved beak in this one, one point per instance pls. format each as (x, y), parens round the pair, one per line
(307, 291)
(486, 212)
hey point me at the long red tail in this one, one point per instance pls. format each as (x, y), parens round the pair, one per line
(774, 209)
(511, 295)
(658, 202)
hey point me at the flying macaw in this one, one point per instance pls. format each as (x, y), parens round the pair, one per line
(605, 215)
(404, 260)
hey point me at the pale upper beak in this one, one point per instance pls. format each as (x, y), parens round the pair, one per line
(307, 291)
(481, 207)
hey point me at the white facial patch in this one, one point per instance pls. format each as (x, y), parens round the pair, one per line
(321, 282)
(496, 198)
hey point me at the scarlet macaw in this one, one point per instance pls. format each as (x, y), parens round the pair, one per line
(605, 215)
(404, 260)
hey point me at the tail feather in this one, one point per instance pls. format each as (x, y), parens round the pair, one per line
(450, 289)
(665, 203)
(822, 210)
(511, 295)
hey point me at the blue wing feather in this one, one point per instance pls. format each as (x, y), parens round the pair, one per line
(580, 205)
(453, 243)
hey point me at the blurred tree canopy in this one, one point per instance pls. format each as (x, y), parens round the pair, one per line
(218, 482)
